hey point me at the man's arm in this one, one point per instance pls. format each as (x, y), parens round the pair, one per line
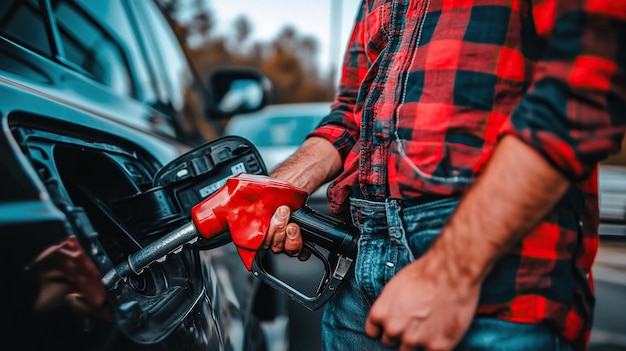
(321, 156)
(518, 189)
(432, 301)
(313, 164)
(568, 120)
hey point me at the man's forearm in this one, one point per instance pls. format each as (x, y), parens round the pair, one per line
(313, 164)
(516, 191)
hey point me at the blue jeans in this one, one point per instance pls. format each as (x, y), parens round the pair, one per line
(392, 237)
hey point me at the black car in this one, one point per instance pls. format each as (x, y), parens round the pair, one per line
(99, 111)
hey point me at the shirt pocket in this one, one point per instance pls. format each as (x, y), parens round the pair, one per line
(376, 27)
(435, 167)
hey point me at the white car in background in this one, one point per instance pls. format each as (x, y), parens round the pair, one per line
(612, 197)
(278, 130)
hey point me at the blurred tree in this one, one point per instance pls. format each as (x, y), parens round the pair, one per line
(193, 18)
(289, 60)
(242, 29)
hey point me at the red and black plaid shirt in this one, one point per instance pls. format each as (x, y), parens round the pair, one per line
(428, 87)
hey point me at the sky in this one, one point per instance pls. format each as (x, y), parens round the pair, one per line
(308, 17)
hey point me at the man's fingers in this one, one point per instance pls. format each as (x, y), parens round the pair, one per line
(283, 236)
(276, 233)
(293, 242)
(389, 341)
(304, 255)
(392, 333)
(372, 329)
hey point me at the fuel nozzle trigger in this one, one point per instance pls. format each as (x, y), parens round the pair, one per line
(328, 284)
(324, 231)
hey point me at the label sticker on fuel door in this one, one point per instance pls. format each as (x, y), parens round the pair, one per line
(213, 187)
(238, 168)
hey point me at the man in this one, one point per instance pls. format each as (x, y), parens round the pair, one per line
(497, 111)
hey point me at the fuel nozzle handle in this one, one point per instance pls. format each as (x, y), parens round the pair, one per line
(318, 230)
(245, 206)
(326, 231)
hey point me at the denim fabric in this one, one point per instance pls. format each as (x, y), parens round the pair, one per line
(387, 233)
(490, 334)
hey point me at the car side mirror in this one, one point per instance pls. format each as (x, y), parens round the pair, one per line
(236, 90)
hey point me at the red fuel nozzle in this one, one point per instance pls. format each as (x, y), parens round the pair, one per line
(244, 206)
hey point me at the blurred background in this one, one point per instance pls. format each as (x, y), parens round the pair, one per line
(298, 45)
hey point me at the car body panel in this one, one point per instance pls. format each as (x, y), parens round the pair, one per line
(71, 146)
(612, 200)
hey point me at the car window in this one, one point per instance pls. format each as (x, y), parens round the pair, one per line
(22, 21)
(98, 37)
(180, 93)
(178, 72)
(276, 131)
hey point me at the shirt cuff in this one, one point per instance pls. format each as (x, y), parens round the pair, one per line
(339, 137)
(571, 162)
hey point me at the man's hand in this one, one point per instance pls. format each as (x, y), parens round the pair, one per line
(283, 236)
(431, 302)
(424, 307)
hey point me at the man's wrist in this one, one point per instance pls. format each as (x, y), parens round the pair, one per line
(462, 258)
(314, 163)
(516, 191)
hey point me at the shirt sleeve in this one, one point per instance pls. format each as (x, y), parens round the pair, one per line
(341, 126)
(574, 111)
